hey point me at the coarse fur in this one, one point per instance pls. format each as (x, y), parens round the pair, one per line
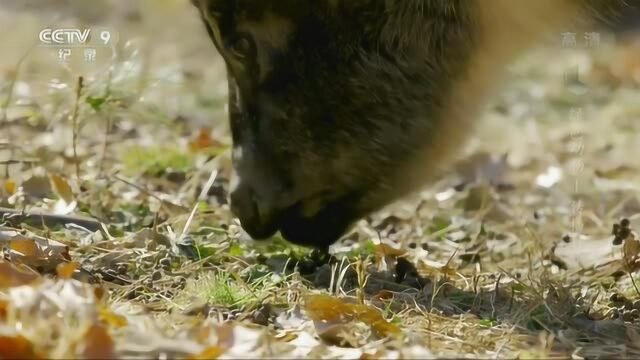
(339, 107)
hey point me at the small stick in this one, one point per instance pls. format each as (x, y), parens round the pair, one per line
(43, 220)
(74, 124)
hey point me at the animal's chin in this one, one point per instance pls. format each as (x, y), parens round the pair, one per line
(319, 231)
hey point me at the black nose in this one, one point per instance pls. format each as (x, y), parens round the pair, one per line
(258, 219)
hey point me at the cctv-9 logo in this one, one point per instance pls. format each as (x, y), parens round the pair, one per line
(75, 37)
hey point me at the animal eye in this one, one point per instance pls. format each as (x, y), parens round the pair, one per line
(242, 47)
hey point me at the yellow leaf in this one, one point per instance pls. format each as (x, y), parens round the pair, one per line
(10, 187)
(61, 188)
(26, 247)
(211, 352)
(383, 250)
(329, 308)
(114, 320)
(66, 269)
(12, 276)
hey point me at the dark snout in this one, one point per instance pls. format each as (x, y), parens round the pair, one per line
(263, 211)
(258, 194)
(258, 219)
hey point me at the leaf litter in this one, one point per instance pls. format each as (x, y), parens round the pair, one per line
(135, 253)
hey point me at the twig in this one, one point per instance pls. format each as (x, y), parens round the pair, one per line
(148, 193)
(13, 162)
(633, 281)
(4, 120)
(43, 220)
(203, 193)
(108, 123)
(74, 124)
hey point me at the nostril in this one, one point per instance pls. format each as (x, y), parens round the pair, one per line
(256, 218)
(242, 203)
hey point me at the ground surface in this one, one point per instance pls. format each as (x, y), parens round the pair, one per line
(509, 255)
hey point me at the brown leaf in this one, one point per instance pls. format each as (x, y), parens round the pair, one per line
(12, 276)
(37, 251)
(37, 187)
(631, 251)
(3, 310)
(336, 333)
(17, 347)
(201, 334)
(329, 308)
(26, 247)
(97, 344)
(383, 250)
(203, 141)
(625, 64)
(66, 270)
(100, 293)
(61, 188)
(428, 268)
(383, 295)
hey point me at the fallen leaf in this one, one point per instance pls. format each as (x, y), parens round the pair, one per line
(201, 334)
(631, 252)
(37, 187)
(97, 344)
(211, 352)
(383, 295)
(329, 308)
(203, 141)
(12, 276)
(428, 268)
(17, 347)
(61, 188)
(66, 270)
(36, 251)
(336, 333)
(383, 250)
(26, 247)
(10, 187)
(107, 316)
(625, 64)
(3, 310)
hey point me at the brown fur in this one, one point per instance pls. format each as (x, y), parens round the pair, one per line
(343, 106)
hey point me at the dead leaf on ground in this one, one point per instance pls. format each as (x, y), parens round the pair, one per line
(61, 188)
(211, 352)
(17, 347)
(384, 250)
(203, 141)
(37, 187)
(66, 270)
(329, 308)
(12, 276)
(631, 253)
(97, 344)
(26, 247)
(428, 268)
(140, 239)
(35, 251)
(108, 317)
(3, 310)
(9, 187)
(626, 62)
